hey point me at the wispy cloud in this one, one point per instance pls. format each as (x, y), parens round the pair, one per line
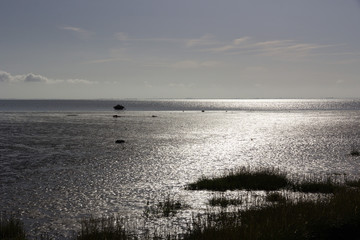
(205, 40)
(121, 36)
(239, 41)
(78, 81)
(193, 64)
(125, 37)
(284, 48)
(114, 55)
(109, 60)
(29, 78)
(245, 45)
(235, 44)
(78, 31)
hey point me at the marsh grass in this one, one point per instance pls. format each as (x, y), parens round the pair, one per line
(223, 201)
(266, 180)
(334, 218)
(243, 178)
(313, 186)
(353, 183)
(167, 207)
(103, 228)
(11, 228)
(275, 197)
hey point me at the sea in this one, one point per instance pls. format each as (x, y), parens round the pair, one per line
(60, 163)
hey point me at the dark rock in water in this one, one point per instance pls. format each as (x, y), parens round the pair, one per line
(202, 110)
(355, 153)
(116, 116)
(153, 116)
(119, 107)
(120, 141)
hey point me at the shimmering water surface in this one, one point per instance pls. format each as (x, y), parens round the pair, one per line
(59, 161)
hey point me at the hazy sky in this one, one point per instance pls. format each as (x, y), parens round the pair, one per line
(182, 49)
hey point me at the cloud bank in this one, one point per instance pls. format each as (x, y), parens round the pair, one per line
(6, 77)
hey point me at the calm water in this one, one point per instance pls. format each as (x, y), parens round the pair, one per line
(59, 161)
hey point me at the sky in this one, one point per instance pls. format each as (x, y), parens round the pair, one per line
(91, 49)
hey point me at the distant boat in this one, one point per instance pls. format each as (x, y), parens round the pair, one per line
(119, 107)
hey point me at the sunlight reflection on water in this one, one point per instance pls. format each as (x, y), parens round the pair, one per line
(57, 169)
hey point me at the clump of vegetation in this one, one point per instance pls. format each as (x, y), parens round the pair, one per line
(334, 218)
(165, 208)
(243, 178)
(313, 186)
(353, 183)
(103, 229)
(223, 201)
(263, 179)
(11, 228)
(275, 197)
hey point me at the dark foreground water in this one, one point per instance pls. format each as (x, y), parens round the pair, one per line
(59, 161)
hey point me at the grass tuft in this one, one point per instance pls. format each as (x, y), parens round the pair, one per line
(312, 186)
(353, 183)
(275, 197)
(165, 208)
(223, 201)
(103, 229)
(11, 228)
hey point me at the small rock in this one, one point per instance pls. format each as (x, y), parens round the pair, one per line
(355, 153)
(120, 141)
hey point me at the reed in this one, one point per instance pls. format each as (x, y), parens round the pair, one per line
(11, 228)
(353, 183)
(223, 201)
(104, 229)
(167, 207)
(314, 186)
(334, 218)
(275, 197)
